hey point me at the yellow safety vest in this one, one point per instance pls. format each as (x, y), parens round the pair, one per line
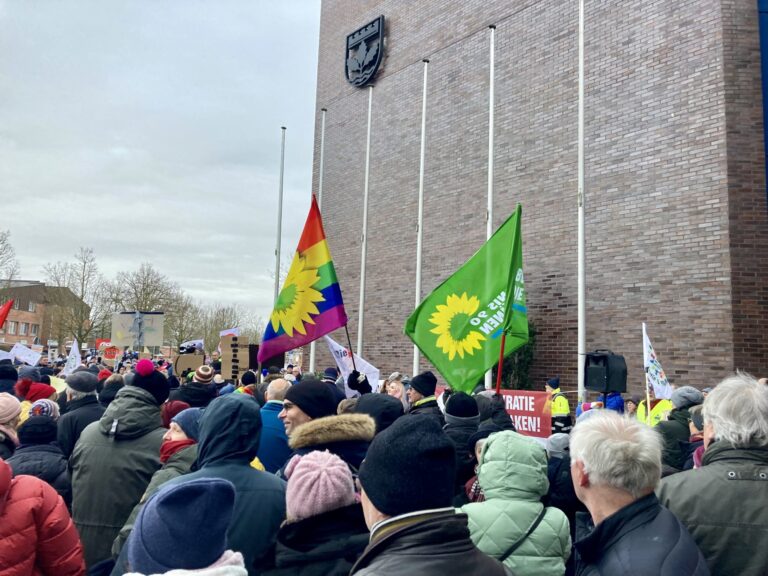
(657, 412)
(560, 406)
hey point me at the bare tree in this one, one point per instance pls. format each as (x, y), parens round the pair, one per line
(145, 289)
(9, 266)
(183, 320)
(82, 302)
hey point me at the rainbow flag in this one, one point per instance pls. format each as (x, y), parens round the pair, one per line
(309, 305)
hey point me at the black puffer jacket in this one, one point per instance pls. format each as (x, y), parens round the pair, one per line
(642, 538)
(195, 394)
(44, 461)
(324, 545)
(673, 431)
(80, 413)
(433, 544)
(430, 408)
(459, 430)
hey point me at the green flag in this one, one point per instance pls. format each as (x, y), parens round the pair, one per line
(458, 327)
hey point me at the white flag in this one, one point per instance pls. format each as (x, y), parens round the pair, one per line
(73, 360)
(230, 332)
(653, 370)
(344, 362)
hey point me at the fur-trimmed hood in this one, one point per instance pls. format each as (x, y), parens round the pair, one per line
(333, 429)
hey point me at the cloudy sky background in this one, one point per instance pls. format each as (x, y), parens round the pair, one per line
(150, 131)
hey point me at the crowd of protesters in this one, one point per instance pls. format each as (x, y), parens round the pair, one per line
(140, 471)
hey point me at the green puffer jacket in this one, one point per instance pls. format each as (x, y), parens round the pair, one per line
(177, 465)
(112, 464)
(513, 476)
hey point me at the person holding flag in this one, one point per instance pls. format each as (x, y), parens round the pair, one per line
(658, 390)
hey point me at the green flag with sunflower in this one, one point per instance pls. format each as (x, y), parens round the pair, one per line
(458, 327)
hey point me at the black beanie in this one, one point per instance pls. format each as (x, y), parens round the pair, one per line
(461, 405)
(248, 378)
(313, 397)
(424, 383)
(383, 408)
(410, 466)
(151, 380)
(37, 430)
(8, 372)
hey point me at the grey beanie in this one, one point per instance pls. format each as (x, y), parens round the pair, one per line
(686, 396)
(30, 372)
(558, 444)
(82, 381)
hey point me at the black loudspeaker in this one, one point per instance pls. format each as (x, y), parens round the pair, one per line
(278, 361)
(253, 357)
(605, 371)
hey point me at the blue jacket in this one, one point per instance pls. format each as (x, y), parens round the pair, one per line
(273, 448)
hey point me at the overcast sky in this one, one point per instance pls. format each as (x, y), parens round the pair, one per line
(149, 130)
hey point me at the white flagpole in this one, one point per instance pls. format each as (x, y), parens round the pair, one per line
(279, 216)
(319, 205)
(420, 220)
(489, 209)
(582, 271)
(364, 240)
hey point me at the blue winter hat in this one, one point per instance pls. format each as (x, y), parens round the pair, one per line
(189, 421)
(182, 526)
(554, 382)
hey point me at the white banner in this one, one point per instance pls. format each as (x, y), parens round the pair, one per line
(73, 360)
(230, 332)
(344, 362)
(5, 355)
(25, 355)
(654, 373)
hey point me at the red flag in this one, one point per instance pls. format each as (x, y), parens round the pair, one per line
(4, 309)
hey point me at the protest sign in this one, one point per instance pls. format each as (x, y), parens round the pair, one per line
(24, 354)
(530, 412)
(344, 361)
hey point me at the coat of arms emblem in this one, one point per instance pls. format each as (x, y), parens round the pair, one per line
(365, 48)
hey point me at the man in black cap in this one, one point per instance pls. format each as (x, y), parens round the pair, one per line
(421, 394)
(407, 487)
(305, 401)
(83, 408)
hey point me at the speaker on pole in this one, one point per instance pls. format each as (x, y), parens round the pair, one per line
(605, 372)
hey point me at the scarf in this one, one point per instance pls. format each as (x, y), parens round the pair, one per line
(473, 490)
(170, 447)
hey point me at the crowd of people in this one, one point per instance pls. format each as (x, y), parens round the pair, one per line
(139, 471)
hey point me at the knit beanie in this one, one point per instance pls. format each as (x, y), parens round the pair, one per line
(82, 381)
(317, 483)
(8, 372)
(189, 421)
(112, 386)
(182, 526)
(330, 375)
(248, 378)
(37, 430)
(104, 374)
(170, 409)
(45, 407)
(558, 444)
(554, 382)
(10, 407)
(313, 397)
(461, 405)
(383, 408)
(151, 380)
(32, 391)
(686, 396)
(424, 383)
(203, 375)
(30, 372)
(410, 466)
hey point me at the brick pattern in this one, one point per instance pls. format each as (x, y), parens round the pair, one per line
(675, 210)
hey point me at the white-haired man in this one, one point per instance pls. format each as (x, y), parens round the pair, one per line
(616, 466)
(723, 503)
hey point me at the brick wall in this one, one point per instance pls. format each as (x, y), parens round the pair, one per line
(675, 211)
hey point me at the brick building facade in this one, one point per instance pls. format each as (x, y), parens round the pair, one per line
(676, 215)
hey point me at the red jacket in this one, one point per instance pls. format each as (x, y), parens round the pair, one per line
(37, 536)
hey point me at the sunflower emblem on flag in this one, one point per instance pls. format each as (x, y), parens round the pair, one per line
(297, 301)
(452, 326)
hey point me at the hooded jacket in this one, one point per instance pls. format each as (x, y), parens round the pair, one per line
(324, 545)
(229, 439)
(44, 461)
(346, 435)
(112, 465)
(723, 506)
(80, 413)
(673, 431)
(513, 476)
(195, 394)
(36, 533)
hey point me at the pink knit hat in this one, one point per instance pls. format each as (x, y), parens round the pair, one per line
(317, 483)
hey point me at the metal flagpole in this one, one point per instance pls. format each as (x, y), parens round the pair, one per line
(582, 273)
(364, 240)
(489, 209)
(420, 218)
(279, 216)
(319, 205)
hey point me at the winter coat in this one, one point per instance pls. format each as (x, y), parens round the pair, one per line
(112, 465)
(640, 539)
(673, 431)
(324, 545)
(223, 452)
(428, 544)
(177, 465)
(195, 394)
(513, 476)
(346, 435)
(80, 413)
(459, 430)
(7, 447)
(37, 536)
(561, 493)
(723, 505)
(230, 564)
(430, 407)
(44, 461)
(273, 448)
